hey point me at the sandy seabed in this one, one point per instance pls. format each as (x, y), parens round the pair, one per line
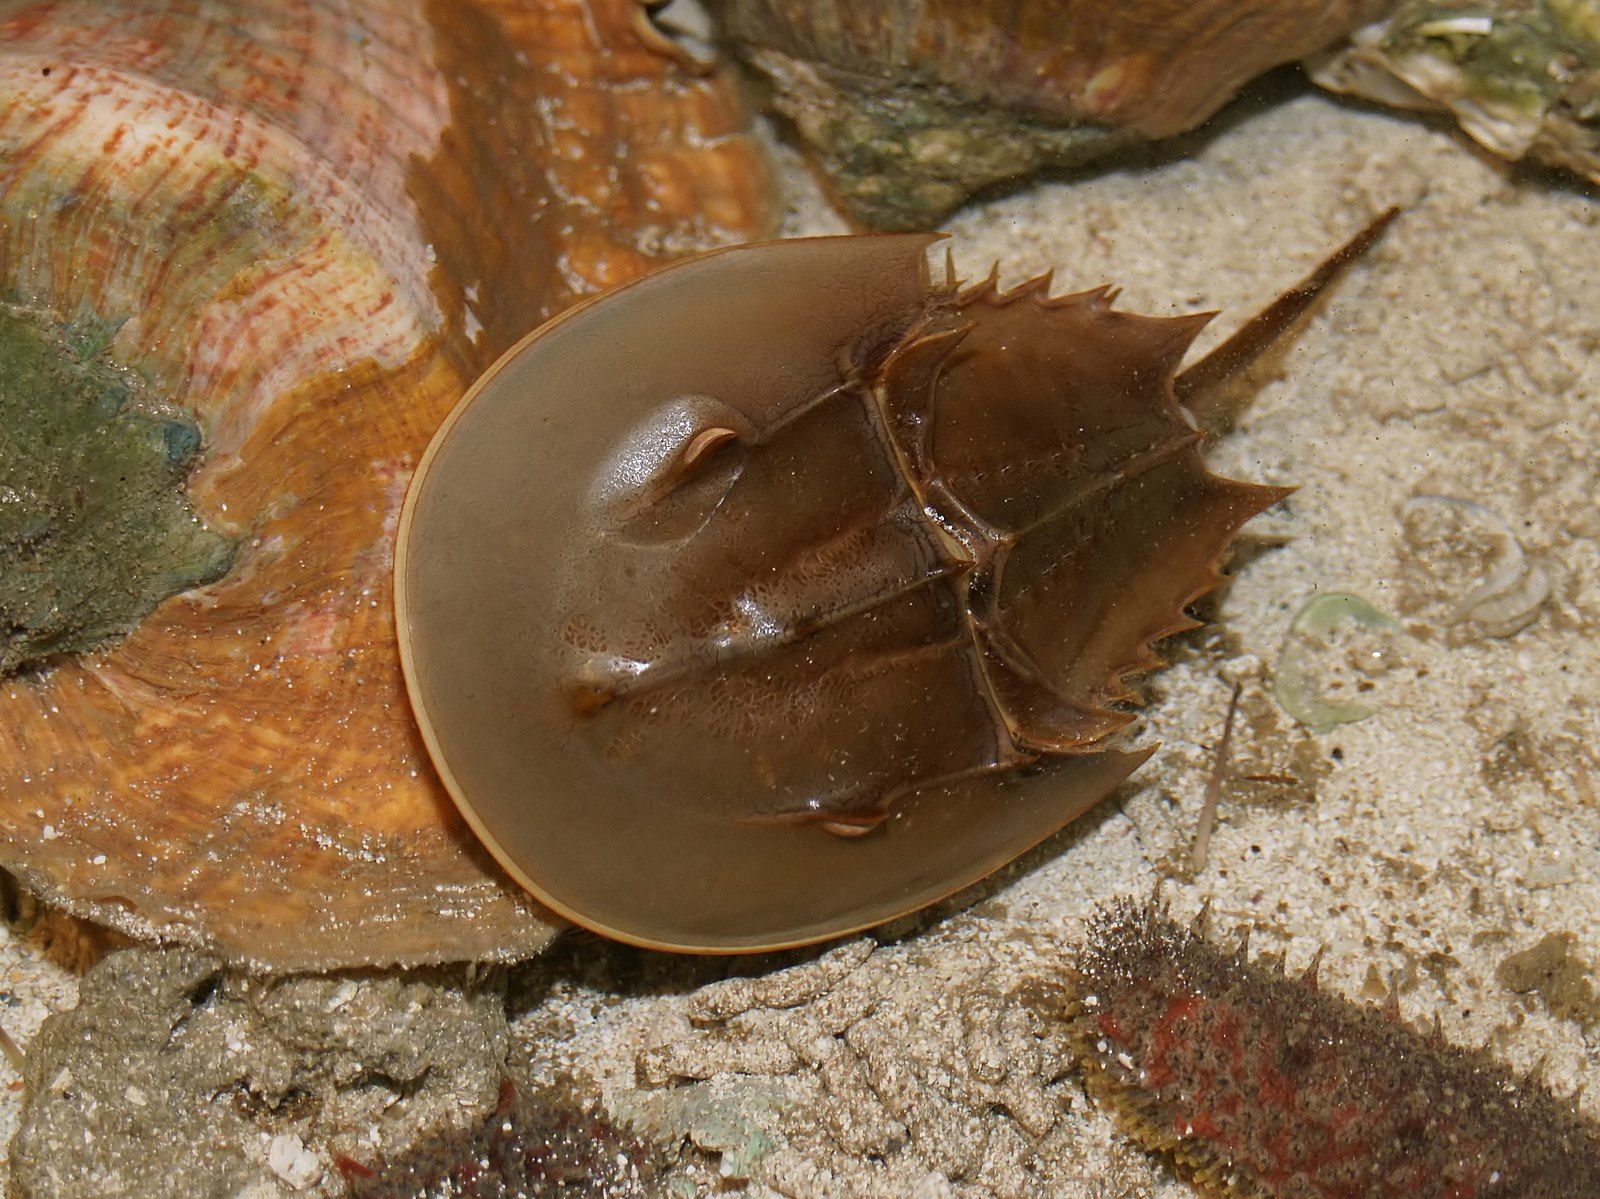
(1422, 846)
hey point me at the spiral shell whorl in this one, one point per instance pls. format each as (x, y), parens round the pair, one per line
(263, 196)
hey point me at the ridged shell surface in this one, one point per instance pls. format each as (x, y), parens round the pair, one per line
(311, 223)
(912, 105)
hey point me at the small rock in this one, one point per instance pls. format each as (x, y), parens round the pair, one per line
(1554, 872)
(933, 1185)
(1242, 668)
(1555, 973)
(290, 1160)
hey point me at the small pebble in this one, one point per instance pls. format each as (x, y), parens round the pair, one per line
(290, 1160)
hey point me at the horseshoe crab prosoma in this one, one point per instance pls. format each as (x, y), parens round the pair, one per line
(296, 231)
(785, 590)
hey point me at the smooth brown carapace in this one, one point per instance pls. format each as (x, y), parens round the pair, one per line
(785, 591)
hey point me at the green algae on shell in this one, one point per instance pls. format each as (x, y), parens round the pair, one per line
(911, 106)
(320, 221)
(95, 528)
(1521, 76)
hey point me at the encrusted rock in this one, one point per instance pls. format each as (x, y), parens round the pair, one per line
(177, 1077)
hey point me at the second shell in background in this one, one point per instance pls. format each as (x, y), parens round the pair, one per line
(912, 107)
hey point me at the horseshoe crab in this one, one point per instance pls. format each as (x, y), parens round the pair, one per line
(911, 106)
(275, 242)
(785, 590)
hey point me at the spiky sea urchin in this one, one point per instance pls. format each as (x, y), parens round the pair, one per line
(1260, 1086)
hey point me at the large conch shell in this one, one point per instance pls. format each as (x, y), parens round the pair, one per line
(913, 105)
(317, 221)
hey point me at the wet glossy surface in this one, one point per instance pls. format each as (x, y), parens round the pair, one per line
(311, 224)
(782, 592)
